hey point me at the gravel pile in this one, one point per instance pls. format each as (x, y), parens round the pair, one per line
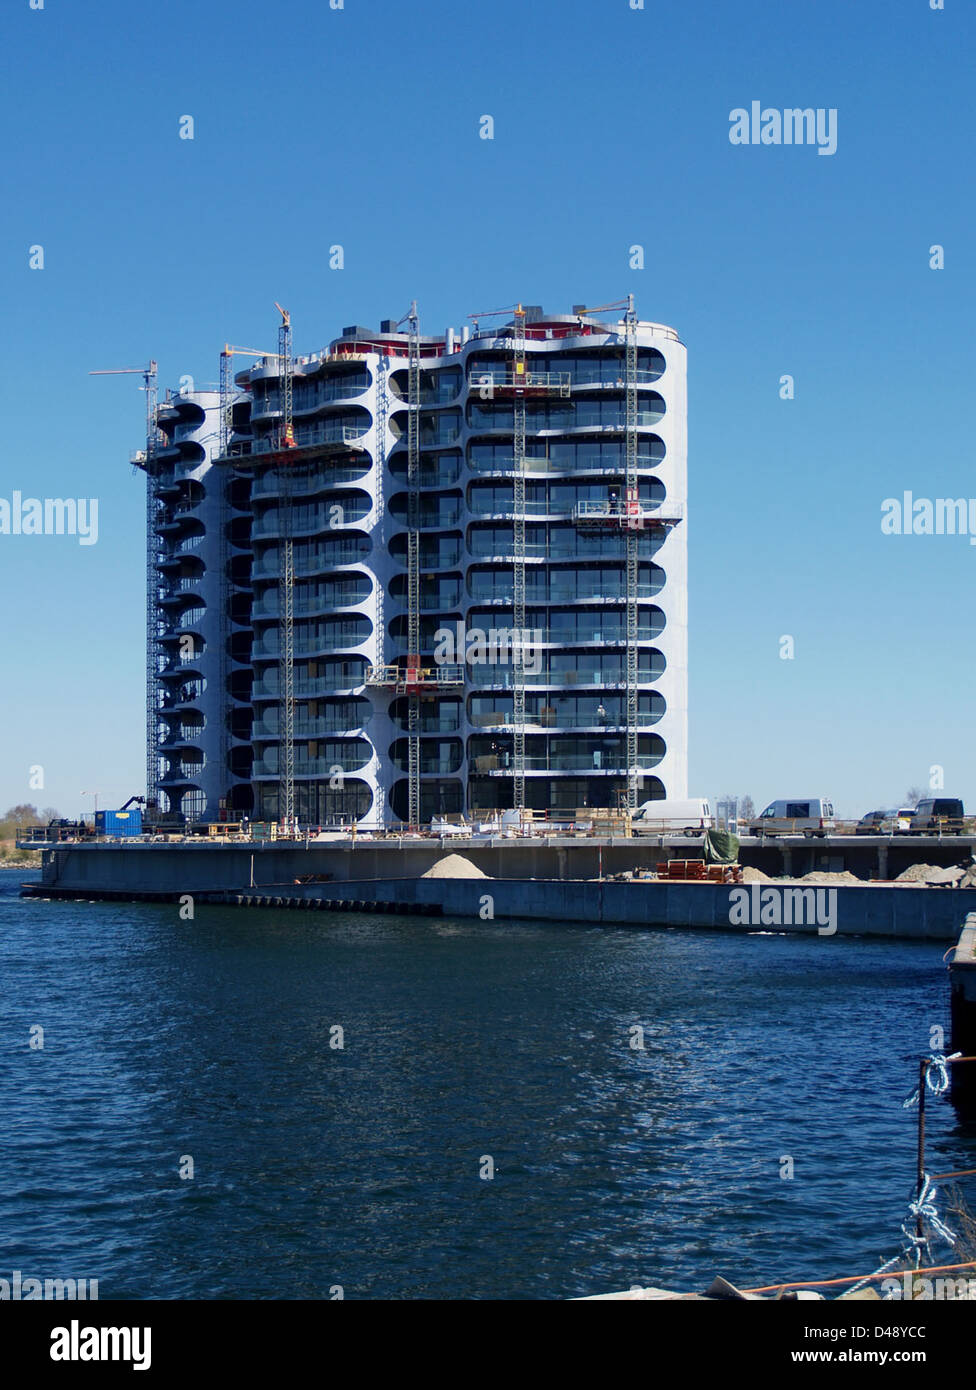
(454, 866)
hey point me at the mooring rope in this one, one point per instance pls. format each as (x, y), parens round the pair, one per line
(936, 1076)
(924, 1208)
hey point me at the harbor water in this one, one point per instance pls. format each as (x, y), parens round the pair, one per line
(413, 1107)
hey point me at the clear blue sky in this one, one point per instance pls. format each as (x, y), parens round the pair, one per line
(360, 126)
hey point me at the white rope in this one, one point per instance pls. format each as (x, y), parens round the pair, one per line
(936, 1076)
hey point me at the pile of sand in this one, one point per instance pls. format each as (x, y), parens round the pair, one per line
(454, 866)
(823, 876)
(826, 877)
(750, 875)
(915, 873)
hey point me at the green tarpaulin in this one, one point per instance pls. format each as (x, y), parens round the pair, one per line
(721, 847)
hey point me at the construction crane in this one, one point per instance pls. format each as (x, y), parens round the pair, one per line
(147, 462)
(631, 516)
(286, 581)
(227, 392)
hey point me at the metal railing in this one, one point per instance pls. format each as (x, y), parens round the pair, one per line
(547, 465)
(555, 383)
(314, 767)
(643, 514)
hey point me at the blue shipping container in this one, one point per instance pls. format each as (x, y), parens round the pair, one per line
(119, 822)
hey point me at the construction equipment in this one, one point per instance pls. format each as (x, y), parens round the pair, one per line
(147, 462)
(227, 391)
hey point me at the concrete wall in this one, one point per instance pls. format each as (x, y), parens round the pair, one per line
(267, 870)
(569, 858)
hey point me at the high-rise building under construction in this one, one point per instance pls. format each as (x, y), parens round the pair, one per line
(411, 576)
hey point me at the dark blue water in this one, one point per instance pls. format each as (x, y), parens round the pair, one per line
(317, 1167)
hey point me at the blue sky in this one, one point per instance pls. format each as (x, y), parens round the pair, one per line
(360, 126)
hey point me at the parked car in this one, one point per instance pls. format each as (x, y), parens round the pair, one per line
(693, 816)
(875, 823)
(809, 815)
(893, 822)
(941, 813)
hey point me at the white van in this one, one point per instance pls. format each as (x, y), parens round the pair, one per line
(654, 817)
(801, 815)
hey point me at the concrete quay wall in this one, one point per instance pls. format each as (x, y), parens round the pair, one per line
(234, 872)
(571, 857)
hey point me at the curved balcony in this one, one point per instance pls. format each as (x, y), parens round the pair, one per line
(177, 589)
(315, 521)
(186, 694)
(441, 559)
(332, 597)
(350, 550)
(178, 667)
(541, 594)
(182, 772)
(191, 618)
(610, 678)
(351, 759)
(340, 720)
(349, 678)
(268, 484)
(342, 639)
(596, 417)
(436, 761)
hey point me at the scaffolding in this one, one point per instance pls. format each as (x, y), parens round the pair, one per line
(223, 481)
(413, 565)
(286, 581)
(517, 382)
(518, 561)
